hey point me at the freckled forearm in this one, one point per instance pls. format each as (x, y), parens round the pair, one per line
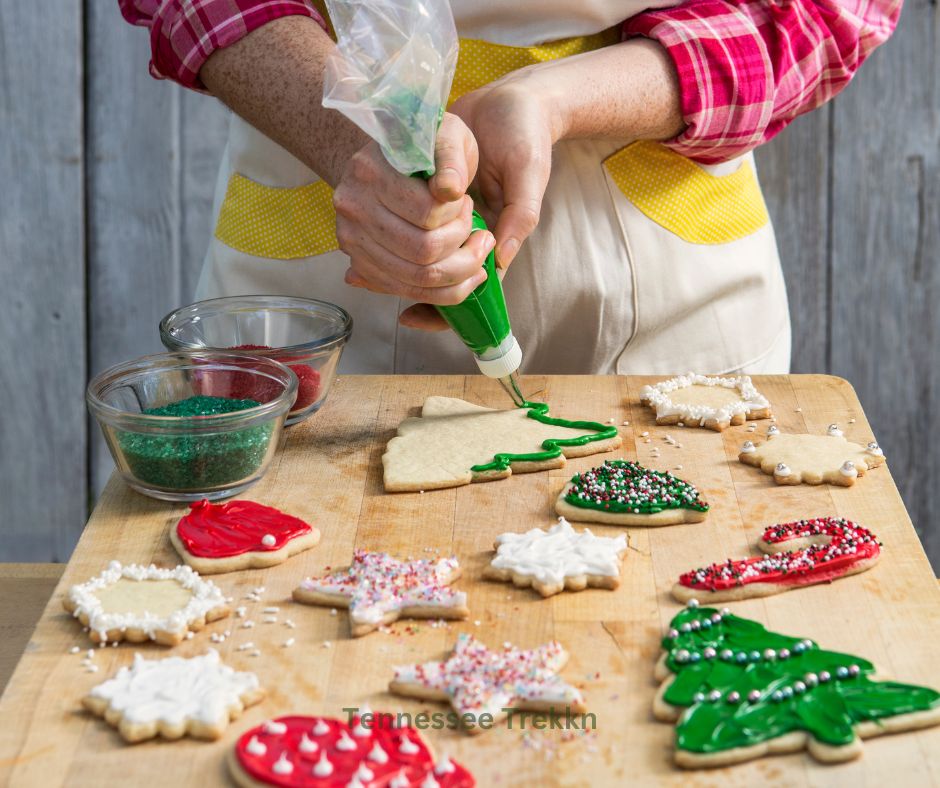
(629, 90)
(273, 78)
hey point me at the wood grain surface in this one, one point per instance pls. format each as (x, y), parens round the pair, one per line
(329, 471)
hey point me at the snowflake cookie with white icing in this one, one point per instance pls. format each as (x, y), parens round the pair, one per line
(811, 459)
(477, 680)
(702, 401)
(369, 751)
(140, 603)
(557, 559)
(174, 697)
(379, 589)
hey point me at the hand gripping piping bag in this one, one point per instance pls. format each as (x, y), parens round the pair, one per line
(391, 74)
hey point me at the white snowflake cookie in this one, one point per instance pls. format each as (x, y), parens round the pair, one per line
(714, 403)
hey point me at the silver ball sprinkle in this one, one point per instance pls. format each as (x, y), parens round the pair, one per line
(682, 655)
(693, 603)
(725, 612)
(754, 656)
(726, 654)
(686, 627)
(708, 652)
(698, 697)
(696, 625)
(733, 697)
(672, 634)
(784, 653)
(716, 619)
(854, 670)
(714, 695)
(799, 687)
(769, 653)
(824, 676)
(811, 679)
(753, 696)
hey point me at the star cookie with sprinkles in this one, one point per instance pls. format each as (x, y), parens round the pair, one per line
(621, 492)
(371, 751)
(811, 459)
(477, 681)
(701, 401)
(379, 589)
(558, 559)
(797, 554)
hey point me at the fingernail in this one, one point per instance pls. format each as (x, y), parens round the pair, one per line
(506, 253)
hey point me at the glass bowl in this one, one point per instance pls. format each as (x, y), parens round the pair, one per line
(176, 454)
(305, 334)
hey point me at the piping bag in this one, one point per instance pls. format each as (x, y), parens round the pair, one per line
(391, 75)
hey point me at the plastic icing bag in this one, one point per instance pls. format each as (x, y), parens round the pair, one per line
(391, 73)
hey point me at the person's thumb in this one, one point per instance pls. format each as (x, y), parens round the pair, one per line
(523, 190)
(455, 160)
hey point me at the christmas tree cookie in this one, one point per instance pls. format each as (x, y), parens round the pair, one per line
(796, 554)
(739, 691)
(702, 401)
(811, 459)
(621, 492)
(455, 443)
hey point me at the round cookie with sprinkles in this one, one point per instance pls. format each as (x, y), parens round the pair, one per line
(797, 554)
(621, 492)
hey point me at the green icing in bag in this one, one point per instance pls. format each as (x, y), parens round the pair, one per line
(743, 685)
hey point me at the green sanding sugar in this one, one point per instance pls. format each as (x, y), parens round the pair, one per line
(201, 460)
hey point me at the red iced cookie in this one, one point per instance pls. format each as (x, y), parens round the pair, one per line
(226, 537)
(308, 378)
(318, 752)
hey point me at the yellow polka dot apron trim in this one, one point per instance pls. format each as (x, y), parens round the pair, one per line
(282, 224)
(685, 199)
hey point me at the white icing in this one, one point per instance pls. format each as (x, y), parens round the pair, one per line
(360, 731)
(282, 765)
(782, 469)
(274, 727)
(364, 773)
(175, 689)
(430, 782)
(834, 431)
(374, 585)
(205, 596)
(323, 768)
(407, 747)
(848, 469)
(377, 754)
(444, 766)
(355, 782)
(268, 540)
(658, 396)
(345, 744)
(772, 430)
(321, 728)
(256, 747)
(307, 744)
(480, 680)
(551, 556)
(875, 449)
(400, 780)
(748, 447)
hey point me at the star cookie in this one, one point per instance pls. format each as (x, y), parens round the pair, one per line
(811, 459)
(621, 492)
(702, 401)
(557, 559)
(174, 697)
(796, 554)
(296, 751)
(227, 537)
(456, 442)
(379, 589)
(139, 603)
(478, 681)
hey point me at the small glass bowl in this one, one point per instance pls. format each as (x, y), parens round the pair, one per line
(191, 457)
(305, 334)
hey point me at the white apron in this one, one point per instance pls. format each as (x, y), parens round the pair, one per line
(643, 262)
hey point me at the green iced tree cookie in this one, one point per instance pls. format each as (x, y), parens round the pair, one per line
(738, 689)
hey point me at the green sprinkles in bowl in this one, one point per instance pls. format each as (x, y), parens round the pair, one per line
(626, 487)
(196, 461)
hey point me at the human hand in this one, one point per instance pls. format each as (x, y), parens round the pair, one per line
(408, 237)
(512, 126)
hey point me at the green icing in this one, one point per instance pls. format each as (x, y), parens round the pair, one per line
(551, 446)
(737, 695)
(627, 487)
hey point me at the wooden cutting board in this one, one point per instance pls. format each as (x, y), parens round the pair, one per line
(329, 472)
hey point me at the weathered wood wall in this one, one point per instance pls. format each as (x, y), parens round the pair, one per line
(107, 179)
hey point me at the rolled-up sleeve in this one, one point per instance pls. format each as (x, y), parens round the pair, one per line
(747, 68)
(183, 33)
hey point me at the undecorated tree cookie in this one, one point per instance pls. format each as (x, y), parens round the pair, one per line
(455, 442)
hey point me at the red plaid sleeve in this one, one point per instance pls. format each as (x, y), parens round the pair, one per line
(183, 33)
(747, 68)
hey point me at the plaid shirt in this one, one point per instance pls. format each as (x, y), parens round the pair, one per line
(746, 67)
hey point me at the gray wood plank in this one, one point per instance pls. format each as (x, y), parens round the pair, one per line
(793, 170)
(886, 237)
(134, 274)
(43, 493)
